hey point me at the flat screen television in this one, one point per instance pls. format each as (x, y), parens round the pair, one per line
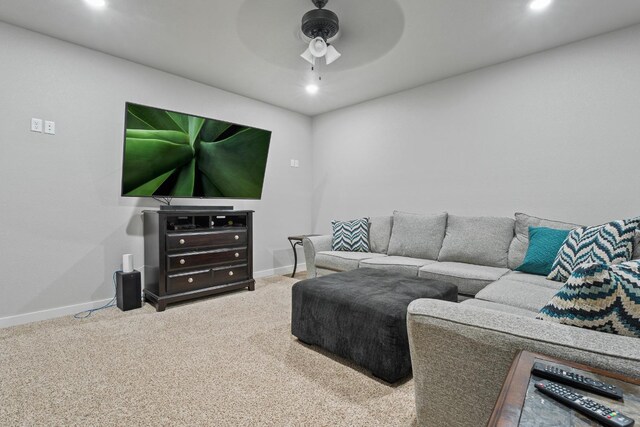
(169, 154)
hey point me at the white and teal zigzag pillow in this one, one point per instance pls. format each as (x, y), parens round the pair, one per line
(610, 243)
(601, 297)
(352, 236)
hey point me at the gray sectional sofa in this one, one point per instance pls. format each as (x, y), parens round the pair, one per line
(462, 352)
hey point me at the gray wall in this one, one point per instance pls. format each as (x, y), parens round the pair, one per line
(556, 134)
(64, 224)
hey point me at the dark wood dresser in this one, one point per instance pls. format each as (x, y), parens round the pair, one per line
(194, 253)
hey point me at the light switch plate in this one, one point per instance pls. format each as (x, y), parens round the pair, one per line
(296, 163)
(36, 125)
(49, 127)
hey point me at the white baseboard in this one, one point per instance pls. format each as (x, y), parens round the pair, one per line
(51, 313)
(279, 271)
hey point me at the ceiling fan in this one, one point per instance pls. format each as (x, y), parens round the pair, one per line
(321, 26)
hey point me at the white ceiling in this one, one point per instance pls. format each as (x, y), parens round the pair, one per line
(251, 47)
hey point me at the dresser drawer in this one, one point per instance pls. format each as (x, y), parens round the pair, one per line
(231, 274)
(200, 259)
(205, 239)
(188, 281)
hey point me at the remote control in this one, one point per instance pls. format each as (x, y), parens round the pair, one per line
(580, 403)
(576, 380)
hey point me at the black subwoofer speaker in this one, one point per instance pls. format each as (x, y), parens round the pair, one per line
(128, 290)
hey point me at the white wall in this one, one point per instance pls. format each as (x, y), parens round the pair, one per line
(64, 224)
(556, 134)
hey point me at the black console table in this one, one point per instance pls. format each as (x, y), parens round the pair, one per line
(192, 253)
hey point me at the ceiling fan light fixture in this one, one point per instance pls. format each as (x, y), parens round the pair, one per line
(307, 56)
(331, 55)
(318, 47)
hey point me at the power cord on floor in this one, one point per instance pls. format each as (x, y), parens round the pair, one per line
(87, 313)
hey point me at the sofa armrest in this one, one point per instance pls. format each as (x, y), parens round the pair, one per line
(461, 355)
(312, 245)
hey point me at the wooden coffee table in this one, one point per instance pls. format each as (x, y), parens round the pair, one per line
(520, 404)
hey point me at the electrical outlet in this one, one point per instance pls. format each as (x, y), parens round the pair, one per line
(296, 163)
(49, 127)
(293, 163)
(36, 125)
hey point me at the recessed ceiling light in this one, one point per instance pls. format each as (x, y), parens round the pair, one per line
(98, 4)
(312, 89)
(539, 4)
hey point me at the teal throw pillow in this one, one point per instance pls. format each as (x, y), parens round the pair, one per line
(544, 244)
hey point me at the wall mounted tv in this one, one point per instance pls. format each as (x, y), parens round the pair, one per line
(169, 154)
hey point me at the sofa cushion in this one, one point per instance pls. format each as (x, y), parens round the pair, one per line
(610, 243)
(533, 279)
(503, 308)
(520, 243)
(601, 297)
(469, 278)
(477, 240)
(342, 261)
(517, 294)
(636, 248)
(380, 233)
(404, 266)
(350, 236)
(417, 236)
(544, 244)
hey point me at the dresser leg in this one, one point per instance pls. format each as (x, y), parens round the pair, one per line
(160, 306)
(252, 286)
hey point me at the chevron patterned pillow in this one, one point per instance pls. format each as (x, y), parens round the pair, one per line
(610, 243)
(352, 236)
(601, 297)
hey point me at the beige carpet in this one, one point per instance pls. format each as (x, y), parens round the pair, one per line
(225, 360)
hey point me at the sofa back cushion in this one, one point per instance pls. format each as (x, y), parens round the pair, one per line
(520, 242)
(380, 233)
(477, 240)
(416, 235)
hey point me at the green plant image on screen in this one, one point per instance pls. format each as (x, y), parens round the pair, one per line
(169, 154)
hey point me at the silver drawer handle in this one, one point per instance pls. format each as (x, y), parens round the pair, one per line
(182, 261)
(190, 280)
(237, 237)
(182, 241)
(237, 254)
(231, 273)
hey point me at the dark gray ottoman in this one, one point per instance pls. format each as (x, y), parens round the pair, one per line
(361, 315)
